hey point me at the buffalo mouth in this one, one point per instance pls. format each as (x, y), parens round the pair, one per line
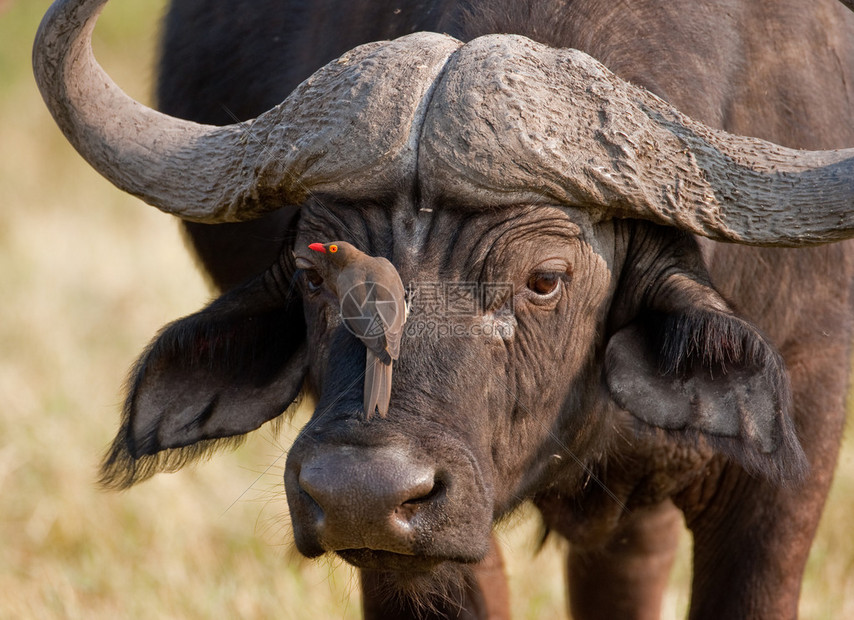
(372, 559)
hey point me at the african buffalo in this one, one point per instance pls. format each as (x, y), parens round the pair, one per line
(613, 362)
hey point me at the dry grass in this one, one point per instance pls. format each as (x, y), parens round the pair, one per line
(87, 275)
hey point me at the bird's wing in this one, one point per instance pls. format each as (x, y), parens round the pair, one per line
(357, 309)
(373, 305)
(392, 299)
(392, 339)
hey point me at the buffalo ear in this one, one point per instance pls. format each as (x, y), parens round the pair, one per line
(701, 371)
(208, 379)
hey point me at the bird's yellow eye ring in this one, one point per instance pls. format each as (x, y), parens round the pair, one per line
(333, 248)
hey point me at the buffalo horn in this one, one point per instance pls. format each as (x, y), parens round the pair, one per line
(513, 121)
(369, 97)
(508, 121)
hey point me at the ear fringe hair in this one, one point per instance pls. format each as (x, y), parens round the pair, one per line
(120, 470)
(714, 339)
(722, 342)
(718, 341)
(223, 338)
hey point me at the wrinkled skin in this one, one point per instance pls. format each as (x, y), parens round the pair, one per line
(547, 410)
(489, 378)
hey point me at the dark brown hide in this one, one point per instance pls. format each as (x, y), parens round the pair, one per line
(771, 70)
(627, 371)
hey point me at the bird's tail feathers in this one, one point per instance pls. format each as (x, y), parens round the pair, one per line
(377, 385)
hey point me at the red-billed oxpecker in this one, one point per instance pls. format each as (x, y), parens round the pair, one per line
(373, 308)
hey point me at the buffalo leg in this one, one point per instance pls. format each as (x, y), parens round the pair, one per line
(750, 553)
(749, 560)
(751, 538)
(626, 578)
(482, 595)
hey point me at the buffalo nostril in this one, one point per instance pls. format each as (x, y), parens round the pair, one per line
(311, 483)
(436, 490)
(418, 497)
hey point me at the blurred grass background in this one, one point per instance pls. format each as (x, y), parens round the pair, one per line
(87, 276)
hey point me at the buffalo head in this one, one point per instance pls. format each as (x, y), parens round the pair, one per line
(541, 211)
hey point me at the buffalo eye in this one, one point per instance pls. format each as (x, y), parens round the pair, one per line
(544, 283)
(313, 280)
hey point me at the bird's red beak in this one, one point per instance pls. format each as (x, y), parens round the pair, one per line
(317, 247)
